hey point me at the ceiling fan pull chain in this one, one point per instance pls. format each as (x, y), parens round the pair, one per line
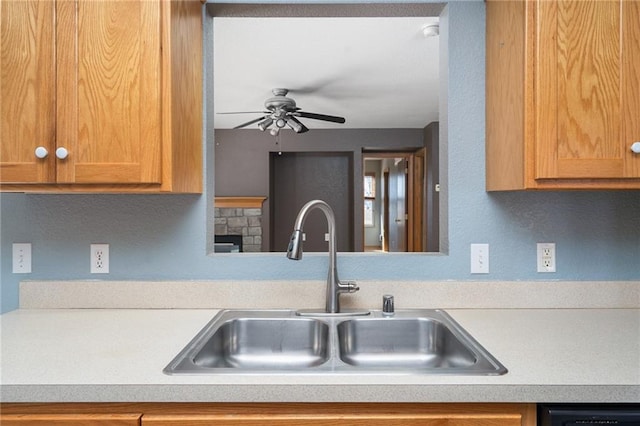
(278, 144)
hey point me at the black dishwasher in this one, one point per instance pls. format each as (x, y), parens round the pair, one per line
(589, 415)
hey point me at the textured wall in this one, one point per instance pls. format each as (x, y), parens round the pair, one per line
(162, 237)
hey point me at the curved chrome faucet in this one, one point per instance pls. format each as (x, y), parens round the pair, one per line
(294, 252)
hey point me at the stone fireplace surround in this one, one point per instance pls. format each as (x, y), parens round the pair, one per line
(240, 216)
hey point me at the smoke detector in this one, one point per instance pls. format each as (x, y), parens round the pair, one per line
(431, 30)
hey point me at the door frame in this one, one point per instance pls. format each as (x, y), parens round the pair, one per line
(414, 207)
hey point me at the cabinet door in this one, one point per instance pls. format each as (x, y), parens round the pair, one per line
(337, 420)
(631, 85)
(70, 419)
(27, 91)
(587, 85)
(108, 91)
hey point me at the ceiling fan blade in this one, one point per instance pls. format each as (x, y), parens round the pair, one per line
(318, 85)
(244, 112)
(248, 123)
(298, 127)
(322, 117)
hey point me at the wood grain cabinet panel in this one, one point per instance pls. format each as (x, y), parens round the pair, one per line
(108, 106)
(70, 420)
(340, 420)
(117, 84)
(562, 107)
(273, 414)
(27, 87)
(350, 415)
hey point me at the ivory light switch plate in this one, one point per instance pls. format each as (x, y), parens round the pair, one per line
(479, 258)
(21, 258)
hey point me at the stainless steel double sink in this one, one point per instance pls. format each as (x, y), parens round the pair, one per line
(281, 342)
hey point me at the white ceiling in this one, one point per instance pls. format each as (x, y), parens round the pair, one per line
(375, 72)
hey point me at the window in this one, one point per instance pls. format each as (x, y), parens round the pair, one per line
(369, 197)
(370, 185)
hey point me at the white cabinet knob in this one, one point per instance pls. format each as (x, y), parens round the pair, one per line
(62, 153)
(635, 147)
(41, 152)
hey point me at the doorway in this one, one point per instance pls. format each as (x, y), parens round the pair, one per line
(299, 177)
(393, 201)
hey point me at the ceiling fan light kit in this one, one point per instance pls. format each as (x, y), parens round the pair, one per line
(283, 112)
(264, 124)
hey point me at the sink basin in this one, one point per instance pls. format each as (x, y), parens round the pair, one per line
(280, 341)
(257, 341)
(405, 342)
(271, 343)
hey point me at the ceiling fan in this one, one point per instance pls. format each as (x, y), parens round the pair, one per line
(281, 112)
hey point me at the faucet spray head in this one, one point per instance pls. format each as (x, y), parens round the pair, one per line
(294, 251)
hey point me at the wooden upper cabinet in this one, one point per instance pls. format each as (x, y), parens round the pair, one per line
(27, 90)
(108, 106)
(563, 94)
(121, 92)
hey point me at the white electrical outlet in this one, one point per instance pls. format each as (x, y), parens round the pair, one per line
(479, 258)
(546, 257)
(99, 258)
(21, 258)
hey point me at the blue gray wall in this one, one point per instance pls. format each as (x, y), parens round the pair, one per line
(162, 237)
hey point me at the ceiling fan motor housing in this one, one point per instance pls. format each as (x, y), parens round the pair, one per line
(280, 102)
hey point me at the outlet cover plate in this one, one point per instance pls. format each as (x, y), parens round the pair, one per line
(99, 258)
(546, 257)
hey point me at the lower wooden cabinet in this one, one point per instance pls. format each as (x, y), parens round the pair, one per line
(70, 419)
(276, 414)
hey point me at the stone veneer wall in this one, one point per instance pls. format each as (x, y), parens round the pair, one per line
(241, 221)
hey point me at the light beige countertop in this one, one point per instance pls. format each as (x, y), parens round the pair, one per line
(114, 355)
